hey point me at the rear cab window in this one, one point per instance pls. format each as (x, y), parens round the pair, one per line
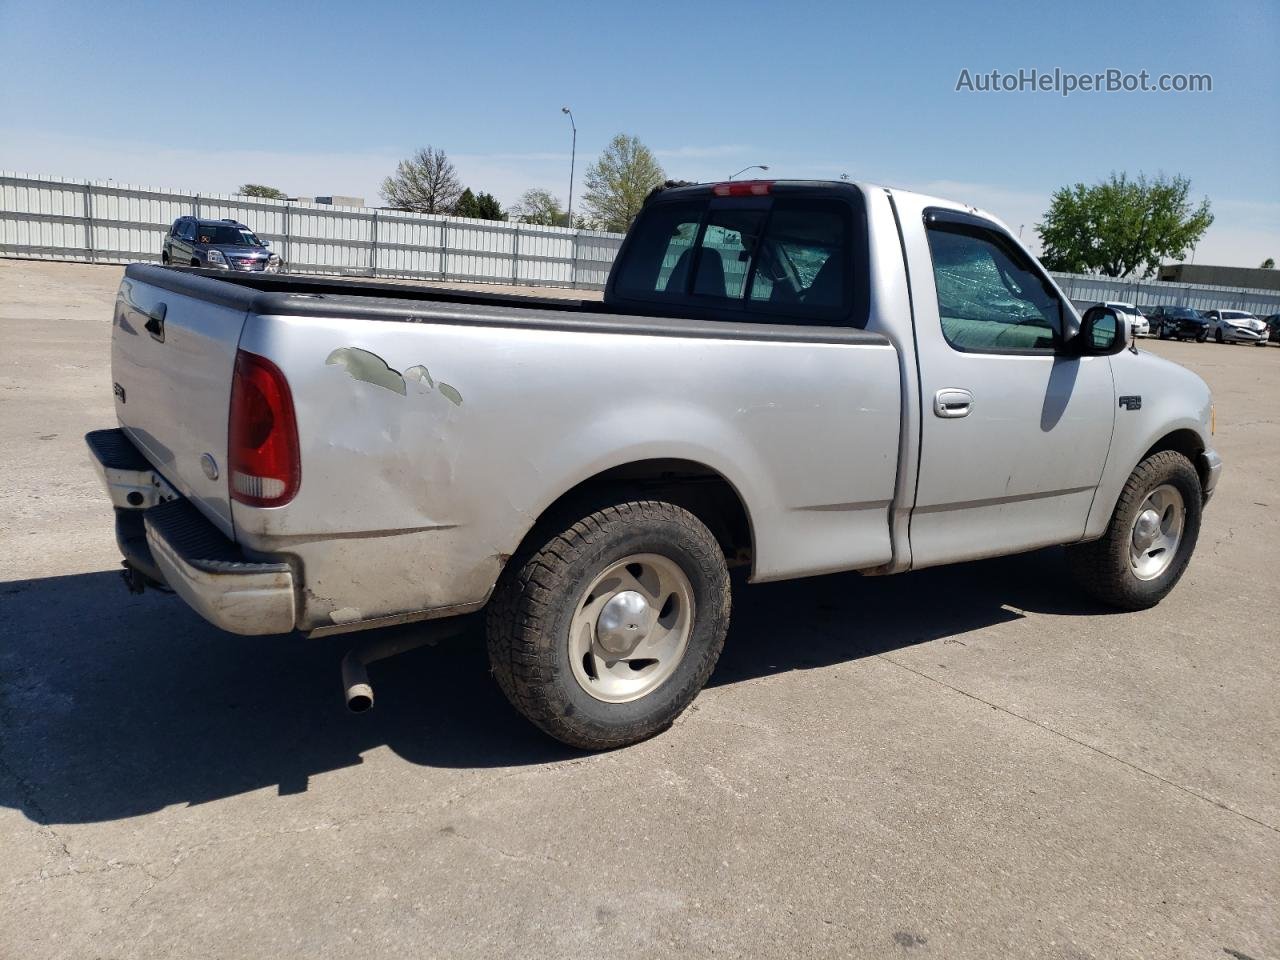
(786, 257)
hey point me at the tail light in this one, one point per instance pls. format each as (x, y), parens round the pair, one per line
(743, 188)
(262, 439)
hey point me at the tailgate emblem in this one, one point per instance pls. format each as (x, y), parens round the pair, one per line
(209, 466)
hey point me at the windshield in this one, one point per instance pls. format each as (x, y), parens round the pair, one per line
(1185, 313)
(226, 235)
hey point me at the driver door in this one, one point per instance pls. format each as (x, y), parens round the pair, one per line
(1015, 433)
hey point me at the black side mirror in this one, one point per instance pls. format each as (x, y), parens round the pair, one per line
(1102, 332)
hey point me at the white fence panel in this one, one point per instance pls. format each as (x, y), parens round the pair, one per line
(107, 222)
(102, 221)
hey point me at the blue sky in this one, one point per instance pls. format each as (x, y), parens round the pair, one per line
(324, 97)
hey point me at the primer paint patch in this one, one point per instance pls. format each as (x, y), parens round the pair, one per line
(419, 374)
(371, 368)
(368, 367)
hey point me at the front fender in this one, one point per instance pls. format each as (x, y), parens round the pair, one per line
(1173, 399)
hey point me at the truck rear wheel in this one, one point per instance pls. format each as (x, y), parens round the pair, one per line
(603, 632)
(1150, 539)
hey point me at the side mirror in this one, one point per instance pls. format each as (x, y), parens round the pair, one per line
(265, 243)
(1103, 332)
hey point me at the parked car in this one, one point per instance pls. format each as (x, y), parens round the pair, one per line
(1236, 326)
(1141, 328)
(1273, 327)
(765, 385)
(1180, 323)
(217, 245)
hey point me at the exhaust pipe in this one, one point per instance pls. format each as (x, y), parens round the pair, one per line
(356, 689)
(355, 683)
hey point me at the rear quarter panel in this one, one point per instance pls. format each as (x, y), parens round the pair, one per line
(416, 499)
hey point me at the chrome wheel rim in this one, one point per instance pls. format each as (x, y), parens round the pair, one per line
(631, 628)
(1156, 533)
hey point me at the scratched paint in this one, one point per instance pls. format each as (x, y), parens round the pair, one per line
(419, 374)
(368, 367)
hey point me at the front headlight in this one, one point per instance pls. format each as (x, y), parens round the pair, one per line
(215, 256)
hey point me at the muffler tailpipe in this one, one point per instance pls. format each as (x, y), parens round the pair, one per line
(355, 683)
(356, 689)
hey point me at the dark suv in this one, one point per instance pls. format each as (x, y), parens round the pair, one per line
(1180, 323)
(216, 244)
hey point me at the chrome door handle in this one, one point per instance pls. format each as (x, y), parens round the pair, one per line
(952, 402)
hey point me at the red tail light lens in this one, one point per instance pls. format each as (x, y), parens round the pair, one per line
(743, 188)
(262, 440)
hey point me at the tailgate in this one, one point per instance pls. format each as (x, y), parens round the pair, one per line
(172, 359)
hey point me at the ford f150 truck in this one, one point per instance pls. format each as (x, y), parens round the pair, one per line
(791, 377)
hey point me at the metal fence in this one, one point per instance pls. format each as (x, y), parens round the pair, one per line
(99, 221)
(104, 222)
(1086, 289)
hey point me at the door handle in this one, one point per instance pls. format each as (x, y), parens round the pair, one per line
(155, 322)
(952, 402)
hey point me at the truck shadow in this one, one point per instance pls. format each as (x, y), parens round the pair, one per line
(113, 706)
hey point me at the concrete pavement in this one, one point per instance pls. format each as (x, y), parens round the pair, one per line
(962, 762)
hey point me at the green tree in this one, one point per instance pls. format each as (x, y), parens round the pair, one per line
(259, 190)
(540, 207)
(425, 183)
(618, 182)
(478, 206)
(1269, 263)
(1121, 225)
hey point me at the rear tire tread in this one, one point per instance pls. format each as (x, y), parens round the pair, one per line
(524, 604)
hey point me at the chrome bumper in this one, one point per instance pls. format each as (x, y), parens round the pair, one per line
(187, 552)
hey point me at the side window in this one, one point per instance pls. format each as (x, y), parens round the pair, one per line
(189, 230)
(990, 298)
(176, 229)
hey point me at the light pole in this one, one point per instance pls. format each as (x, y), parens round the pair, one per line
(573, 155)
(754, 166)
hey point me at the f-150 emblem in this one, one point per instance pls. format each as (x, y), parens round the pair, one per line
(1131, 402)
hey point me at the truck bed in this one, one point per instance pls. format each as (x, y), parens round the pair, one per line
(436, 426)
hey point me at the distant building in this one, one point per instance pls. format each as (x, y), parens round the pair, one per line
(1238, 278)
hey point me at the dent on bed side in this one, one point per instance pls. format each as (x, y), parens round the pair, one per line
(368, 367)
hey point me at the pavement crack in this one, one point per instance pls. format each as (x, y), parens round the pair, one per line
(1221, 805)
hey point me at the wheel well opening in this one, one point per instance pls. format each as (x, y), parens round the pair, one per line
(695, 487)
(1187, 443)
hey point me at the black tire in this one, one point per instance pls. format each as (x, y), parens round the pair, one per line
(1202, 337)
(528, 619)
(1102, 568)
(1162, 332)
(164, 259)
(1217, 336)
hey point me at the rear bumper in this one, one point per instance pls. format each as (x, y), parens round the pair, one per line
(172, 541)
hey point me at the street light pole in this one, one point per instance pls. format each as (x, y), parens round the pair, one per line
(754, 166)
(573, 156)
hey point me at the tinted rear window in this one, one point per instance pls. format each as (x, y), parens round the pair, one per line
(790, 259)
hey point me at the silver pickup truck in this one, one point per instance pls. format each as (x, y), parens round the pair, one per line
(794, 378)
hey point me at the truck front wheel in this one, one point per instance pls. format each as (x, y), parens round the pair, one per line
(603, 632)
(1150, 538)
